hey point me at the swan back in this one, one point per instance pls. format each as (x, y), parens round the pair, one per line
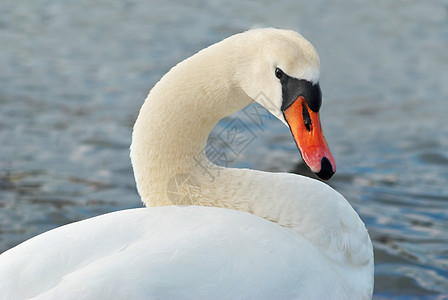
(194, 262)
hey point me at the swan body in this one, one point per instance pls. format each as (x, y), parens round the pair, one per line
(212, 232)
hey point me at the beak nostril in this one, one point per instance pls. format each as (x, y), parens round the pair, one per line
(306, 117)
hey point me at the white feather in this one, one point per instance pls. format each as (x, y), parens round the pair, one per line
(255, 235)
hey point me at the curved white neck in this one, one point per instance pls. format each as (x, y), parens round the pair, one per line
(170, 165)
(171, 132)
(170, 136)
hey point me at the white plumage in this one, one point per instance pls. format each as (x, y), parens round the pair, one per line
(243, 234)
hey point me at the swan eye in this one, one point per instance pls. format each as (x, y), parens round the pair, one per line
(278, 73)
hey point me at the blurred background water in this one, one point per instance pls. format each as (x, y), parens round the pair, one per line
(73, 75)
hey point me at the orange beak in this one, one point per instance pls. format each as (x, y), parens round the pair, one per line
(307, 132)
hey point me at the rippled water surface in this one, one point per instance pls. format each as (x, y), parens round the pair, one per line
(74, 74)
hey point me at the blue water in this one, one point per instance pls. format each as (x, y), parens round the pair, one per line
(74, 75)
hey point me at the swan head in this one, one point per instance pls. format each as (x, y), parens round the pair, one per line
(282, 74)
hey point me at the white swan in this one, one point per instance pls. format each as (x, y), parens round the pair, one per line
(248, 234)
